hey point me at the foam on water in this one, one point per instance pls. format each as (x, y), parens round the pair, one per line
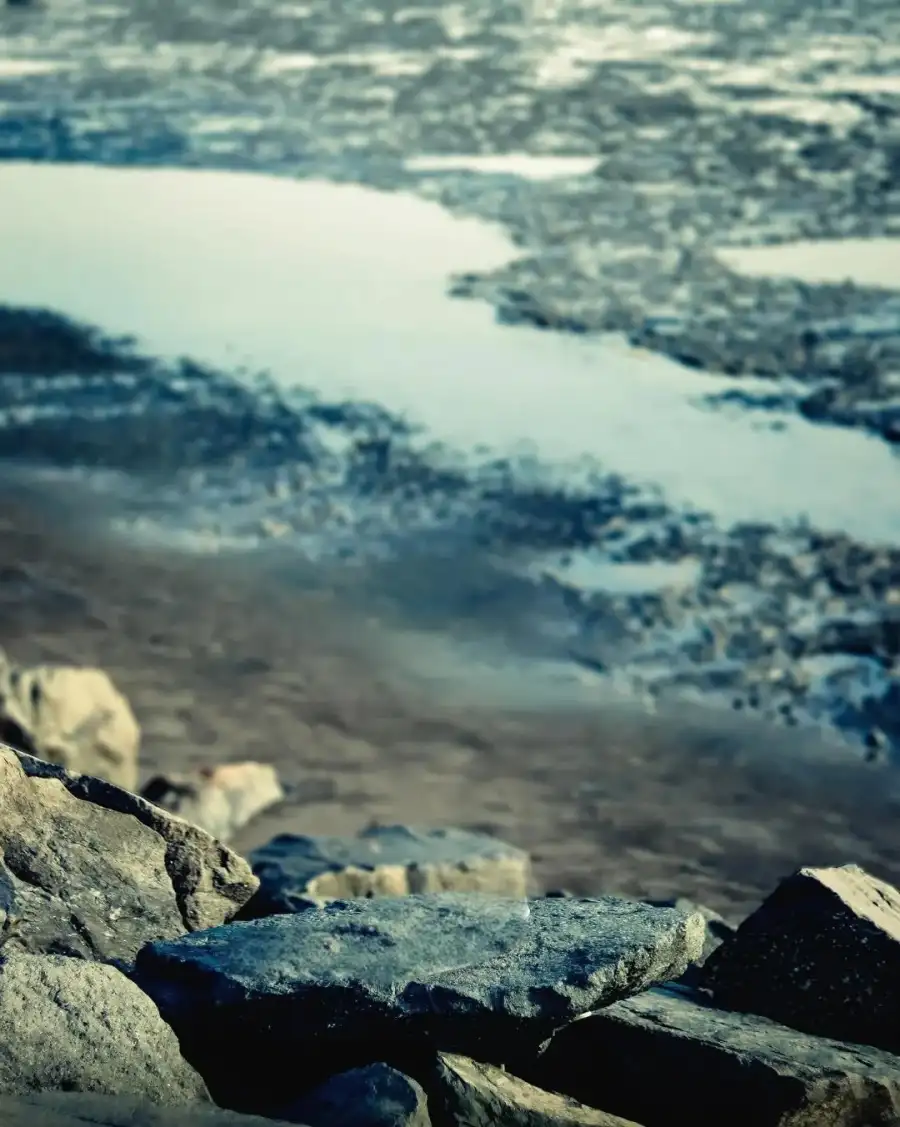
(343, 289)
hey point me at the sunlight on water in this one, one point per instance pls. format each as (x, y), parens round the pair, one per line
(525, 165)
(867, 262)
(343, 289)
(28, 68)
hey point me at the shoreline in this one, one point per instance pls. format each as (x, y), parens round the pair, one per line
(223, 662)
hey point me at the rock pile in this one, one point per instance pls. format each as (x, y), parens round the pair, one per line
(93, 871)
(409, 978)
(75, 716)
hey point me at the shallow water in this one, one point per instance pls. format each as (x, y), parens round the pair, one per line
(528, 166)
(26, 68)
(343, 289)
(588, 571)
(867, 262)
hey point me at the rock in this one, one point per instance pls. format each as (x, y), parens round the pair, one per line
(71, 1025)
(220, 800)
(669, 1055)
(821, 954)
(718, 929)
(295, 871)
(470, 1094)
(93, 871)
(366, 980)
(72, 716)
(76, 1109)
(374, 1096)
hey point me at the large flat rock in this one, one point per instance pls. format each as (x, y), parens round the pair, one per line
(94, 871)
(669, 1056)
(260, 1007)
(384, 861)
(73, 1025)
(822, 954)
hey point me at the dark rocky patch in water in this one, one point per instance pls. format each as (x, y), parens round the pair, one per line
(796, 624)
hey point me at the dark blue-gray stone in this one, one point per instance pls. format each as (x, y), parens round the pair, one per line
(374, 1096)
(670, 1054)
(822, 954)
(260, 1004)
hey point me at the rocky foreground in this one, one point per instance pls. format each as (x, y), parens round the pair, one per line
(151, 976)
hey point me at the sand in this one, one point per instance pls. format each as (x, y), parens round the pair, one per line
(223, 659)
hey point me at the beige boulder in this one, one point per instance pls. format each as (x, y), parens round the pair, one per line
(472, 1094)
(72, 716)
(295, 870)
(71, 1025)
(220, 799)
(95, 872)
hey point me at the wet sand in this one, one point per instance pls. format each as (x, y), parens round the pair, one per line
(224, 660)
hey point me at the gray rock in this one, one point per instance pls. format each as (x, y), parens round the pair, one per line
(75, 1109)
(383, 861)
(821, 954)
(470, 1094)
(96, 872)
(365, 980)
(71, 1025)
(374, 1096)
(70, 715)
(669, 1054)
(718, 929)
(221, 799)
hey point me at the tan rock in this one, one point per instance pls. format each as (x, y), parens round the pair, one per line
(472, 1094)
(222, 799)
(70, 1025)
(385, 861)
(94, 871)
(72, 716)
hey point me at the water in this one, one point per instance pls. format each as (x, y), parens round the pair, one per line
(588, 571)
(867, 262)
(343, 289)
(28, 68)
(527, 166)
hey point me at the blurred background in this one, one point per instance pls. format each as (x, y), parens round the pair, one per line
(485, 414)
